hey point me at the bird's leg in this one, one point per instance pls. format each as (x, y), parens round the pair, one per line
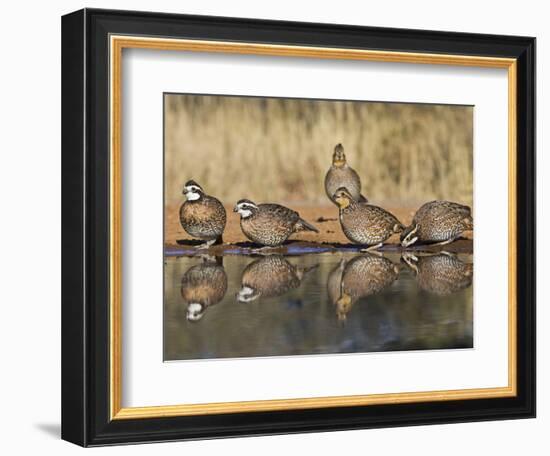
(410, 259)
(373, 248)
(206, 245)
(265, 250)
(449, 254)
(447, 241)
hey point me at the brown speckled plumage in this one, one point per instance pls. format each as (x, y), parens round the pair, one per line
(363, 223)
(340, 174)
(438, 221)
(272, 224)
(441, 274)
(268, 277)
(363, 276)
(204, 218)
(204, 284)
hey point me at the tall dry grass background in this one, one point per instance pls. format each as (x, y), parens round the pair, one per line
(269, 149)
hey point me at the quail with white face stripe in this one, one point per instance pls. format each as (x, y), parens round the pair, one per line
(438, 223)
(202, 216)
(270, 224)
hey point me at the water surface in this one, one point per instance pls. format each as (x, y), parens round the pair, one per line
(236, 306)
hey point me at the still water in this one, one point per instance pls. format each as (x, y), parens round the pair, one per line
(246, 306)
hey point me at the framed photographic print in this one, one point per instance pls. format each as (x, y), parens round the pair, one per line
(271, 227)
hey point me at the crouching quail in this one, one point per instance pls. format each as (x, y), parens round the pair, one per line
(439, 222)
(270, 224)
(363, 223)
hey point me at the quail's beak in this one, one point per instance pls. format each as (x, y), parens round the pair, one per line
(235, 209)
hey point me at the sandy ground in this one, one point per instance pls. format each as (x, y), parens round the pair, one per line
(325, 218)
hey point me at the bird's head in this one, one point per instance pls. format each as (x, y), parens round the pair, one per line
(195, 311)
(245, 208)
(192, 190)
(343, 306)
(342, 197)
(339, 157)
(247, 294)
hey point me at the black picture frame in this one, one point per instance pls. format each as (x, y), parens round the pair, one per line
(85, 224)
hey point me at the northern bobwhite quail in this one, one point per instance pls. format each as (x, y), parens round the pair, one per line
(202, 286)
(202, 216)
(441, 273)
(270, 224)
(363, 223)
(270, 276)
(340, 174)
(439, 222)
(363, 276)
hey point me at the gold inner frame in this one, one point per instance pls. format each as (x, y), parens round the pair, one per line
(117, 44)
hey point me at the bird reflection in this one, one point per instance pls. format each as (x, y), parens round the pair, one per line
(442, 273)
(334, 281)
(269, 277)
(203, 286)
(362, 276)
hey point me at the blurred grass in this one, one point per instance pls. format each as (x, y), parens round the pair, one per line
(269, 149)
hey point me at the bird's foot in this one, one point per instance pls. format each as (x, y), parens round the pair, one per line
(373, 249)
(205, 245)
(265, 250)
(445, 242)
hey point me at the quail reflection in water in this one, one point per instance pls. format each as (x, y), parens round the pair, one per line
(360, 277)
(270, 276)
(295, 304)
(202, 286)
(441, 273)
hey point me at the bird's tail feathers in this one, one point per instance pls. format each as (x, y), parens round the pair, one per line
(302, 225)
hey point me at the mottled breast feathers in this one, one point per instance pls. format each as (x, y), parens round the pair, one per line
(204, 218)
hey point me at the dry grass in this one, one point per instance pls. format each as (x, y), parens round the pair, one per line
(270, 149)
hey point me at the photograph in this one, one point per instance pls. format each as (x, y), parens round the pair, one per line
(315, 226)
(248, 198)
